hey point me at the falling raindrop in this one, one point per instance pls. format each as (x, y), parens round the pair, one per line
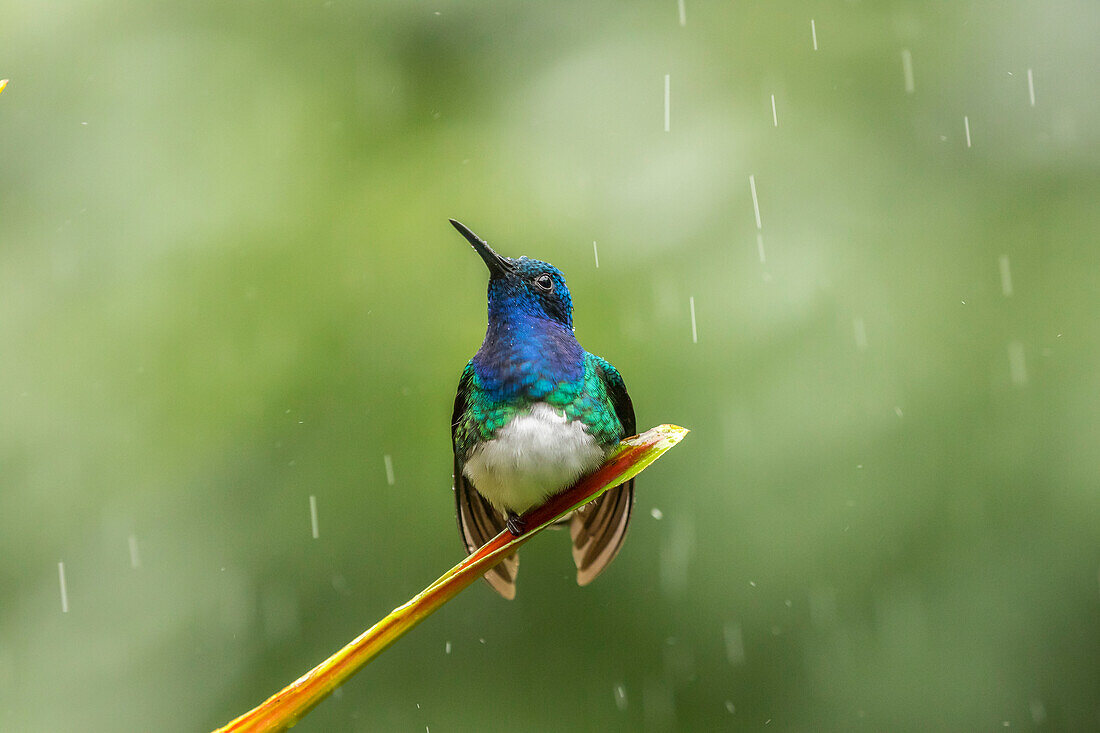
(683, 14)
(775, 117)
(447, 648)
(694, 333)
(667, 100)
(313, 516)
(813, 32)
(1031, 87)
(735, 644)
(135, 559)
(675, 555)
(861, 333)
(966, 126)
(389, 468)
(1016, 364)
(656, 513)
(596, 253)
(1006, 276)
(620, 697)
(907, 69)
(755, 202)
(729, 707)
(64, 589)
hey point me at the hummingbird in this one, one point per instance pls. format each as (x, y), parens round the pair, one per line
(535, 412)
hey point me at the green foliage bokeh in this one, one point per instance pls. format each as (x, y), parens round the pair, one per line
(227, 283)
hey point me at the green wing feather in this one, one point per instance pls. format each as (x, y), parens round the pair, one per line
(599, 528)
(478, 521)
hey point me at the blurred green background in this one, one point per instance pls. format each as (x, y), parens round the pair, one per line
(227, 283)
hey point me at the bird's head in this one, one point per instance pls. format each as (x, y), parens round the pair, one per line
(522, 286)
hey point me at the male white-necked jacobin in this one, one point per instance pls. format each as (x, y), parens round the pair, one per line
(534, 413)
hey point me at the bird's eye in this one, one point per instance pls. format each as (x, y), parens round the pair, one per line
(544, 283)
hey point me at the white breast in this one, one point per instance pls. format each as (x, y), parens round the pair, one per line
(537, 454)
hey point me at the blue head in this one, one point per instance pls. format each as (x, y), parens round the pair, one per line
(522, 289)
(529, 346)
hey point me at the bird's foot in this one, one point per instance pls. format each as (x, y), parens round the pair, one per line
(515, 523)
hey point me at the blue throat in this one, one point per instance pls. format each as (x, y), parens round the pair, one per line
(525, 353)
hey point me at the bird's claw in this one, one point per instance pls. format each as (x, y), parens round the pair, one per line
(515, 524)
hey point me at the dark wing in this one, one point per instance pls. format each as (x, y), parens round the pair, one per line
(599, 528)
(478, 521)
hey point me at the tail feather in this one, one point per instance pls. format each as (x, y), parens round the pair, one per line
(598, 531)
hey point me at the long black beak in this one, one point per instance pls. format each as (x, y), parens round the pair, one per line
(498, 266)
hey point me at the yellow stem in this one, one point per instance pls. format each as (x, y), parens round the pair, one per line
(283, 709)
